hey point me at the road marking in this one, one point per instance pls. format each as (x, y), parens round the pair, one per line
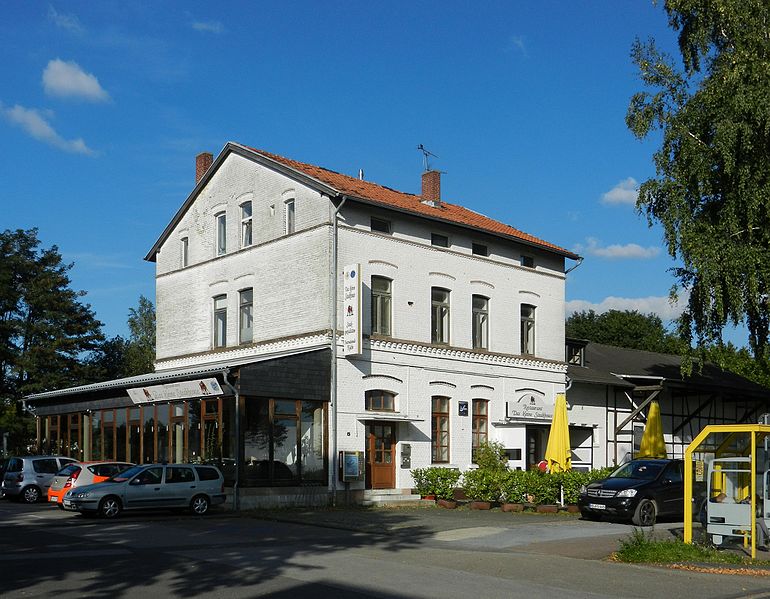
(460, 534)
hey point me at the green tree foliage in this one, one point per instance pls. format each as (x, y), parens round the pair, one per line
(140, 354)
(45, 329)
(626, 328)
(712, 190)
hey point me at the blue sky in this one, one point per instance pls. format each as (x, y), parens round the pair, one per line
(103, 107)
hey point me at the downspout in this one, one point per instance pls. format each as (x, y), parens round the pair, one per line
(236, 484)
(333, 274)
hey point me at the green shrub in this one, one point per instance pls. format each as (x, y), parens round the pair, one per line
(437, 481)
(643, 547)
(482, 484)
(492, 457)
(541, 486)
(512, 486)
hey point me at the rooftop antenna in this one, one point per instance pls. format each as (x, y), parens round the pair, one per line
(426, 153)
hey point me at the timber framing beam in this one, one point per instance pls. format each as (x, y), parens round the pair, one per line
(693, 414)
(654, 392)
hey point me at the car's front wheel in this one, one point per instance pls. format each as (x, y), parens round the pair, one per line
(645, 513)
(30, 494)
(200, 504)
(110, 507)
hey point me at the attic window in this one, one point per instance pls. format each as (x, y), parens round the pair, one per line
(439, 240)
(528, 261)
(575, 355)
(479, 249)
(380, 225)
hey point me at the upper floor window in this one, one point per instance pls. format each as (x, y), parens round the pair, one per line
(380, 401)
(380, 225)
(246, 316)
(527, 329)
(479, 249)
(480, 322)
(439, 316)
(290, 216)
(381, 306)
(480, 425)
(527, 261)
(439, 432)
(220, 321)
(246, 224)
(185, 251)
(221, 223)
(439, 240)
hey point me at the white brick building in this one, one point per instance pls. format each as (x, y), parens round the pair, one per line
(462, 320)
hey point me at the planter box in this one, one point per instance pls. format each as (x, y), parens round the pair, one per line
(547, 509)
(428, 497)
(481, 505)
(447, 504)
(573, 509)
(513, 507)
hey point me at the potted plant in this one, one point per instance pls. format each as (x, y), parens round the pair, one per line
(438, 483)
(512, 490)
(482, 487)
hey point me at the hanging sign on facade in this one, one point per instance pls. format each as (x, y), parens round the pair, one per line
(530, 404)
(174, 391)
(351, 306)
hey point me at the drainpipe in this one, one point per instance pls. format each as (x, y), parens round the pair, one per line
(333, 274)
(236, 484)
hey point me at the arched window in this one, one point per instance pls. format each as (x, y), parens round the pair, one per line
(380, 401)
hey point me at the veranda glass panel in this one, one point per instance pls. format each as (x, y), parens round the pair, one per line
(285, 449)
(311, 442)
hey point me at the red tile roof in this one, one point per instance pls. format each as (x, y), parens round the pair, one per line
(385, 196)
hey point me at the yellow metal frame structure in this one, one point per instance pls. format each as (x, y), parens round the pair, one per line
(757, 432)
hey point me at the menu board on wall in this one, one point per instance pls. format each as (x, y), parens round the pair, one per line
(351, 306)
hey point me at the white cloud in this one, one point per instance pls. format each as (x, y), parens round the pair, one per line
(68, 80)
(63, 21)
(661, 306)
(625, 192)
(35, 124)
(517, 41)
(629, 251)
(209, 26)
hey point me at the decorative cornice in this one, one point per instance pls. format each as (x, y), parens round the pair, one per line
(436, 351)
(241, 354)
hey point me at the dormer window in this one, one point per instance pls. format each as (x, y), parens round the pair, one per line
(221, 230)
(575, 354)
(380, 225)
(246, 239)
(439, 240)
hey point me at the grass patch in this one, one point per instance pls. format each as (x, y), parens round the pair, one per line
(643, 548)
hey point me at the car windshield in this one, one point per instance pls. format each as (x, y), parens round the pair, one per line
(125, 475)
(638, 470)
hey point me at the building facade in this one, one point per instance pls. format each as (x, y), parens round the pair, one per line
(460, 327)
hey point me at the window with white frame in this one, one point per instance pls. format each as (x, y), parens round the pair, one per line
(221, 230)
(289, 216)
(439, 316)
(220, 321)
(480, 311)
(381, 306)
(246, 316)
(527, 329)
(246, 224)
(185, 247)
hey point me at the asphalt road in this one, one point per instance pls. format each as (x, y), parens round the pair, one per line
(47, 552)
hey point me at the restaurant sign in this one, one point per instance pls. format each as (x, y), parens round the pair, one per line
(174, 391)
(530, 404)
(351, 304)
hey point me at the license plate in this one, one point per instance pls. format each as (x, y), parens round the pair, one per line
(67, 503)
(597, 506)
(53, 499)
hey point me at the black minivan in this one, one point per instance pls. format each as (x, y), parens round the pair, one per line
(639, 490)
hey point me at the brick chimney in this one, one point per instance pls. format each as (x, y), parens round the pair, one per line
(202, 163)
(431, 186)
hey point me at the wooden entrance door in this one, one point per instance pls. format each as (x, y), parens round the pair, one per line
(380, 456)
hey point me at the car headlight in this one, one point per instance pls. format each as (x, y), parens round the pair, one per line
(627, 493)
(583, 489)
(83, 495)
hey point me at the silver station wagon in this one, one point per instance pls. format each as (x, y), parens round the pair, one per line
(151, 486)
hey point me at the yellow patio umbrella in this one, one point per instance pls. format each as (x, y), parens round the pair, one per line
(653, 445)
(558, 453)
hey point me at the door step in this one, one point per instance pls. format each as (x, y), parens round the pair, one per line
(377, 497)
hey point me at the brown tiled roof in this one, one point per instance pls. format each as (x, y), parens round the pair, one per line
(379, 194)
